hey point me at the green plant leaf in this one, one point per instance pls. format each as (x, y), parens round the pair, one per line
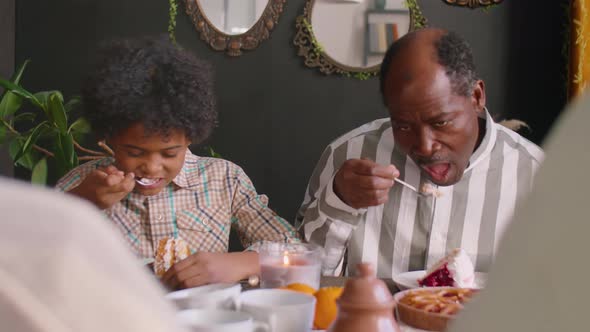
(18, 90)
(3, 132)
(26, 160)
(30, 141)
(72, 103)
(58, 112)
(68, 146)
(19, 72)
(212, 153)
(39, 174)
(27, 116)
(9, 104)
(43, 96)
(80, 126)
(65, 154)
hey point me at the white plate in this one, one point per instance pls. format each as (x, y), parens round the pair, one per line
(409, 280)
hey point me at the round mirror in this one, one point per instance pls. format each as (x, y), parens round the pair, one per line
(233, 17)
(234, 25)
(351, 37)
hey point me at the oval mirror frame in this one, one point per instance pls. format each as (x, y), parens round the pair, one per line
(233, 45)
(473, 3)
(315, 57)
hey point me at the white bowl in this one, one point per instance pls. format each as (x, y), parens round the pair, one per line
(213, 296)
(213, 320)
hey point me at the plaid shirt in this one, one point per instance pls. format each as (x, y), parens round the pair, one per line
(206, 199)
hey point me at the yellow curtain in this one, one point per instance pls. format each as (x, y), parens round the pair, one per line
(579, 70)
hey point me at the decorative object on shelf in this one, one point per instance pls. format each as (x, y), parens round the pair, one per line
(233, 26)
(473, 3)
(368, 33)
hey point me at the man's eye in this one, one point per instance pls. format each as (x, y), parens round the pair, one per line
(441, 123)
(401, 127)
(170, 155)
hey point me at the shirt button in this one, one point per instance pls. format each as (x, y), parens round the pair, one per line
(160, 217)
(206, 223)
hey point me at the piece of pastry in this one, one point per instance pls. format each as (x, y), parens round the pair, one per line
(431, 309)
(169, 252)
(454, 270)
(446, 301)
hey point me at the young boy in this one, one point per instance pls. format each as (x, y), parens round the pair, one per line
(149, 100)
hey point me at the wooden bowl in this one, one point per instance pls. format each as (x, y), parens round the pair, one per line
(420, 318)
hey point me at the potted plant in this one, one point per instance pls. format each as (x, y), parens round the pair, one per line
(51, 134)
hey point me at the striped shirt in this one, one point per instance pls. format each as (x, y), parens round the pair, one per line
(206, 199)
(411, 232)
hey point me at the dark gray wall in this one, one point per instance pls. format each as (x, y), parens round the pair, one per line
(6, 65)
(276, 116)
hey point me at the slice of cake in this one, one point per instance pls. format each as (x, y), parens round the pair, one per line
(454, 270)
(169, 252)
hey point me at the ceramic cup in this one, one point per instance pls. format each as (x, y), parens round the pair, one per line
(213, 296)
(213, 320)
(282, 310)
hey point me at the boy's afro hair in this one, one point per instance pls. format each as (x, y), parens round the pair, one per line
(153, 82)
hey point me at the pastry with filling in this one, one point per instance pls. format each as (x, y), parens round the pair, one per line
(170, 251)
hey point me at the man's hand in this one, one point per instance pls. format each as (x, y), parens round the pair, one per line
(105, 186)
(207, 267)
(361, 183)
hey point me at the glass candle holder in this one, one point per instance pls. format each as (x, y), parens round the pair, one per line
(282, 264)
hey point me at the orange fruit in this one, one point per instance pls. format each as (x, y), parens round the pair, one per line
(325, 308)
(300, 287)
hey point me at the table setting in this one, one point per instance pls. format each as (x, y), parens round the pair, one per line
(290, 295)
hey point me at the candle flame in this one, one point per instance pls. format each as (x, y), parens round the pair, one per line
(286, 259)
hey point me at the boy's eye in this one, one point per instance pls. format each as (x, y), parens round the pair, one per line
(170, 155)
(134, 153)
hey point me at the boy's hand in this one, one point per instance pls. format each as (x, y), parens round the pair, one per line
(105, 186)
(361, 183)
(208, 267)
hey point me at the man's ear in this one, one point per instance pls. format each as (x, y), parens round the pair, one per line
(479, 96)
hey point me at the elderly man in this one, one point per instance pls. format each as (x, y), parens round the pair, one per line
(439, 134)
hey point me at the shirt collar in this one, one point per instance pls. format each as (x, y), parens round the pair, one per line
(181, 180)
(487, 143)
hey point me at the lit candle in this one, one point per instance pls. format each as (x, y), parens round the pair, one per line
(295, 263)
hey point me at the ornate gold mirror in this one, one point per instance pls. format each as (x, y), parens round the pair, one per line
(473, 3)
(350, 37)
(234, 25)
